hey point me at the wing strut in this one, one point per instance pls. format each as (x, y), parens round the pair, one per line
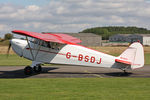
(34, 47)
(30, 48)
(38, 48)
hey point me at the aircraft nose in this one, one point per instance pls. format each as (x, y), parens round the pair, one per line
(17, 46)
(16, 42)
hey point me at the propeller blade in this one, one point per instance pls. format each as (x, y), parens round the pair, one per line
(8, 49)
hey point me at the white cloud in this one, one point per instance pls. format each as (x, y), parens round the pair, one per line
(74, 15)
(32, 8)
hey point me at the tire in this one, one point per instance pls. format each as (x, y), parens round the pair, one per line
(28, 70)
(37, 68)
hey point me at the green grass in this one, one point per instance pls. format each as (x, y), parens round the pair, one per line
(13, 60)
(4, 43)
(75, 89)
(147, 58)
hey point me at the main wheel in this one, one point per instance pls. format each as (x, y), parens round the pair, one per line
(37, 68)
(28, 70)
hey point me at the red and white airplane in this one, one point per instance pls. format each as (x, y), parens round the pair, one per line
(63, 49)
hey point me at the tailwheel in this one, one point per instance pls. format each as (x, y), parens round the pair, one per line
(125, 72)
(28, 70)
(37, 68)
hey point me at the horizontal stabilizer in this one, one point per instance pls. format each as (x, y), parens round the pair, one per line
(123, 61)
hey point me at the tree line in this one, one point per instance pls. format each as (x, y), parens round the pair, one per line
(7, 36)
(106, 32)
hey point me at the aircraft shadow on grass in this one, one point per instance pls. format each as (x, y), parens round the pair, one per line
(48, 70)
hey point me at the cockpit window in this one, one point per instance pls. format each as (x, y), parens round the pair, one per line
(51, 45)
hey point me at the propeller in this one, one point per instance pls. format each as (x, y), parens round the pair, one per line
(8, 49)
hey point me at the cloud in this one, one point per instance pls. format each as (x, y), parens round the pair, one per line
(74, 15)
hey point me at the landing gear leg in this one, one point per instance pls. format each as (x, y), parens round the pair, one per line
(28, 70)
(124, 71)
(37, 68)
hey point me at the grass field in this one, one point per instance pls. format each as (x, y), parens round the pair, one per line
(3, 50)
(13, 60)
(75, 89)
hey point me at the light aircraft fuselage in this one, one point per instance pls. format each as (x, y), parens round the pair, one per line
(63, 49)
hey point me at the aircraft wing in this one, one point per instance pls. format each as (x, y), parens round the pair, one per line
(49, 37)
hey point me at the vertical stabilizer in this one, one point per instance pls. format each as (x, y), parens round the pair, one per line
(133, 56)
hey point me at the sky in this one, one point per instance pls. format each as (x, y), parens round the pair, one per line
(71, 15)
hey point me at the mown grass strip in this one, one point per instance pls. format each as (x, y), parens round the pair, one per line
(75, 89)
(13, 60)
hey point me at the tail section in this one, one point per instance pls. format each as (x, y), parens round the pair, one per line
(133, 56)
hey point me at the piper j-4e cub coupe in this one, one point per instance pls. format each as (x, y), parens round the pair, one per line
(63, 49)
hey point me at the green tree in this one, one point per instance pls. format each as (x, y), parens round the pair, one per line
(106, 32)
(8, 36)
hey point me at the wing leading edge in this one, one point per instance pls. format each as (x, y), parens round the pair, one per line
(49, 37)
